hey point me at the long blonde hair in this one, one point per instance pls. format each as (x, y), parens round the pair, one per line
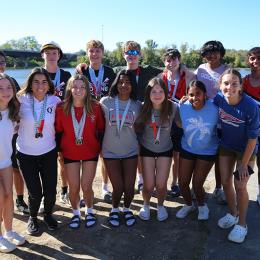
(88, 100)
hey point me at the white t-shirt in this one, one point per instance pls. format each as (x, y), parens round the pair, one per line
(6, 135)
(26, 142)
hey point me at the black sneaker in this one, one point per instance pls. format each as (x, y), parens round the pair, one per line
(51, 222)
(22, 206)
(175, 191)
(33, 226)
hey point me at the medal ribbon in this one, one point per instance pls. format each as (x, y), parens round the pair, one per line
(137, 73)
(96, 81)
(156, 132)
(56, 80)
(118, 123)
(78, 126)
(39, 124)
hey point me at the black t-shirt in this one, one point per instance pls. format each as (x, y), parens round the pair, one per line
(108, 78)
(146, 73)
(64, 77)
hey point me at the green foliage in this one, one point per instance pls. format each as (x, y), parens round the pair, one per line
(151, 55)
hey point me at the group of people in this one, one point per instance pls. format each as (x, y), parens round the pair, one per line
(135, 121)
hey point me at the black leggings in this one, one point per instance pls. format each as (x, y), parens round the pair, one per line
(122, 174)
(40, 175)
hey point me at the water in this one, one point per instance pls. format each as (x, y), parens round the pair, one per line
(21, 74)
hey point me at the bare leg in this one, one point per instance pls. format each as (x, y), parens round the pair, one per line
(88, 175)
(163, 165)
(148, 164)
(226, 166)
(73, 177)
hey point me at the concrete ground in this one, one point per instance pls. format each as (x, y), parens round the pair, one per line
(172, 239)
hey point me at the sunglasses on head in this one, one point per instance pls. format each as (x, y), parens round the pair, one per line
(132, 52)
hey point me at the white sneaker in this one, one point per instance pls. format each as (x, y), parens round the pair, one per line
(64, 198)
(227, 221)
(203, 212)
(144, 212)
(258, 199)
(238, 234)
(41, 209)
(162, 213)
(6, 246)
(15, 238)
(184, 211)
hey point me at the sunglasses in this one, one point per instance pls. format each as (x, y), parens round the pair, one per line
(132, 52)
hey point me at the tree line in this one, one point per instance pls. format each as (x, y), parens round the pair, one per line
(151, 55)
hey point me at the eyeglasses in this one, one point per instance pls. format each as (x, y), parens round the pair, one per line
(132, 52)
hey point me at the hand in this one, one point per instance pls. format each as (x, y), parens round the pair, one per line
(183, 99)
(81, 67)
(243, 172)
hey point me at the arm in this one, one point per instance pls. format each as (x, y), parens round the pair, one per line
(243, 171)
(80, 67)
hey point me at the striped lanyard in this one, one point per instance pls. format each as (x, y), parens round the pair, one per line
(39, 123)
(156, 130)
(120, 121)
(78, 126)
(96, 81)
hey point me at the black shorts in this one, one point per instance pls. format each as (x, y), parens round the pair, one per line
(66, 160)
(176, 136)
(147, 153)
(123, 158)
(192, 156)
(13, 157)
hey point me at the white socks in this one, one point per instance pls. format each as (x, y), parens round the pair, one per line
(76, 212)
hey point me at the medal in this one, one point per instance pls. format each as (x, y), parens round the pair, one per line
(78, 126)
(37, 135)
(79, 141)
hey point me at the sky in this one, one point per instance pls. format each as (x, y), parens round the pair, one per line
(71, 23)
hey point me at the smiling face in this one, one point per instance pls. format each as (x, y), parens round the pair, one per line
(196, 97)
(95, 56)
(231, 87)
(40, 86)
(157, 96)
(254, 61)
(124, 87)
(172, 64)
(213, 58)
(6, 92)
(78, 90)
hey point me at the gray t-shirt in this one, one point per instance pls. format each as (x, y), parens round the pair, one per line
(125, 144)
(165, 144)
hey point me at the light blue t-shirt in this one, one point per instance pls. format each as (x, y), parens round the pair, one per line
(200, 128)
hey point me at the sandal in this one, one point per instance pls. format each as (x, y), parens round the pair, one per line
(90, 220)
(129, 218)
(107, 197)
(113, 219)
(75, 222)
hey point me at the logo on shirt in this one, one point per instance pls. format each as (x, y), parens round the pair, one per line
(229, 119)
(49, 110)
(196, 125)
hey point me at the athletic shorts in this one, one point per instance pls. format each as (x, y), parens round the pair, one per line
(223, 151)
(13, 157)
(66, 160)
(177, 134)
(147, 153)
(192, 156)
(123, 158)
